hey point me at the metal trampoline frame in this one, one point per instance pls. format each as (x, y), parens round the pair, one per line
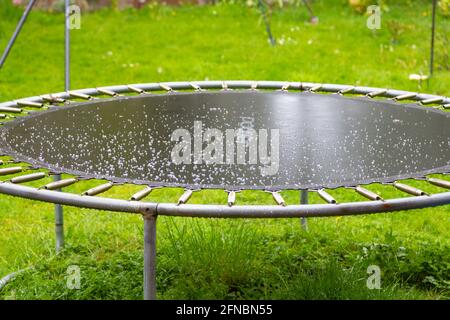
(16, 175)
(151, 210)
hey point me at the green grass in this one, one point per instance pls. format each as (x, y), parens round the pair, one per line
(232, 259)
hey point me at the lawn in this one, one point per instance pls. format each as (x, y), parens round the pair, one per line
(214, 258)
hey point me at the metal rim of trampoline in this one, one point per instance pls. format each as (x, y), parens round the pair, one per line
(50, 192)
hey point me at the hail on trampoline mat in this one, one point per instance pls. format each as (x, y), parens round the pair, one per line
(306, 140)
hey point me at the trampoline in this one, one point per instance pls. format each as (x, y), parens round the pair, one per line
(306, 136)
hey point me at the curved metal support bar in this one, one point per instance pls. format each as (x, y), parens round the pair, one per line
(309, 210)
(70, 199)
(225, 211)
(236, 84)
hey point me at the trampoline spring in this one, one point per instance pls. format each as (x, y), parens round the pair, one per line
(10, 170)
(28, 177)
(185, 197)
(315, 88)
(224, 85)
(51, 99)
(80, 95)
(195, 86)
(60, 184)
(431, 101)
(407, 96)
(97, 190)
(254, 86)
(10, 109)
(231, 198)
(408, 189)
(135, 89)
(368, 194)
(29, 104)
(166, 87)
(346, 90)
(326, 196)
(376, 93)
(141, 194)
(285, 87)
(439, 182)
(278, 198)
(108, 92)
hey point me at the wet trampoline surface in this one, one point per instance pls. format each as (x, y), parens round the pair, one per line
(256, 140)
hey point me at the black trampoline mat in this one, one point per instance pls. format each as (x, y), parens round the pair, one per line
(324, 140)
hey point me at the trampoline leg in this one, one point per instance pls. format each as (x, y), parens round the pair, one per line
(59, 228)
(433, 29)
(149, 257)
(59, 217)
(304, 200)
(59, 223)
